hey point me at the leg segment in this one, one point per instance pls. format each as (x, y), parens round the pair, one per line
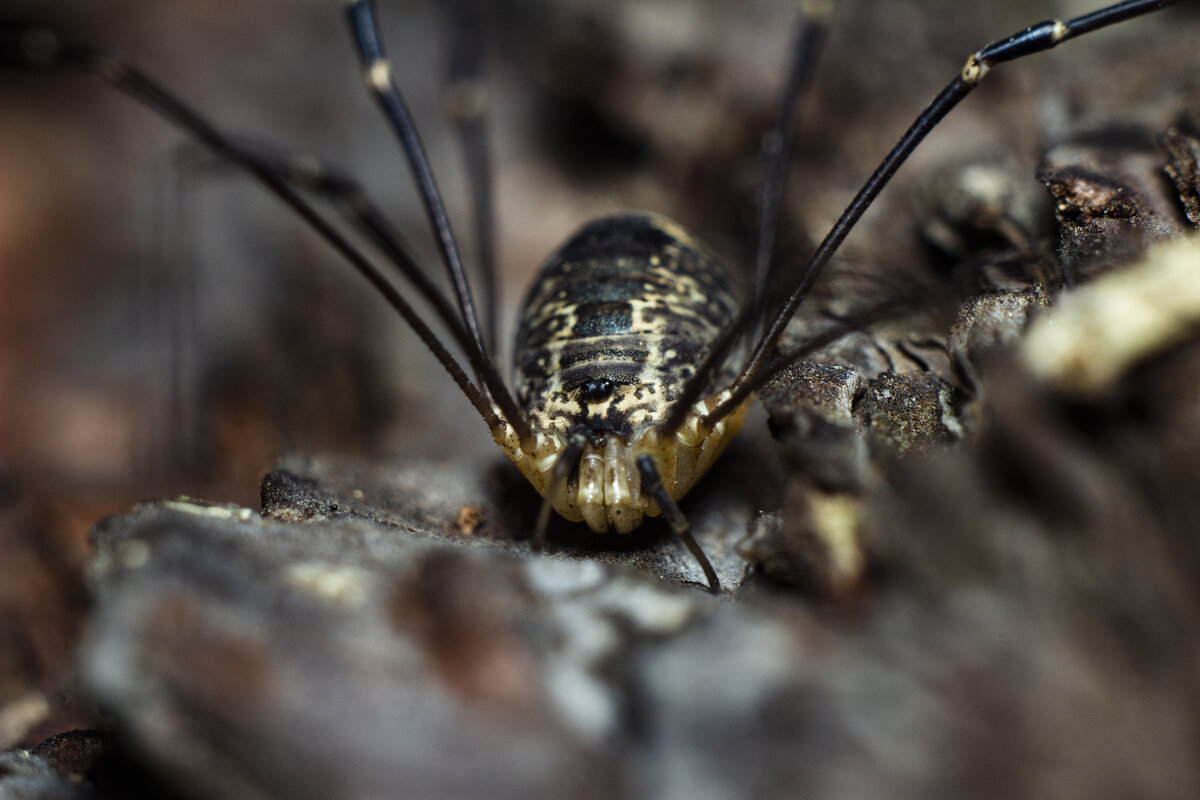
(377, 72)
(467, 100)
(777, 145)
(652, 485)
(365, 29)
(807, 40)
(312, 173)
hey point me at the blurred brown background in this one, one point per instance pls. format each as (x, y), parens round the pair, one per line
(168, 328)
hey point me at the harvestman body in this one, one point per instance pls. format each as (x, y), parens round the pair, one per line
(610, 332)
(625, 393)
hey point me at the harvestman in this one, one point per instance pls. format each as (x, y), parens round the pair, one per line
(624, 390)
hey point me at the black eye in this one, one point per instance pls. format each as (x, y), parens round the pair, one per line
(594, 391)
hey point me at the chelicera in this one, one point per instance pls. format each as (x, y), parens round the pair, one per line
(629, 379)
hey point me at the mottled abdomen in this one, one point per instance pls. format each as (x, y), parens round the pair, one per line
(615, 324)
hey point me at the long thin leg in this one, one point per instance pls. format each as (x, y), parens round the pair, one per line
(777, 144)
(314, 174)
(1035, 39)
(36, 47)
(365, 28)
(809, 36)
(652, 485)
(468, 106)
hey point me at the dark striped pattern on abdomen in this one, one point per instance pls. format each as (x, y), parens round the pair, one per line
(631, 299)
